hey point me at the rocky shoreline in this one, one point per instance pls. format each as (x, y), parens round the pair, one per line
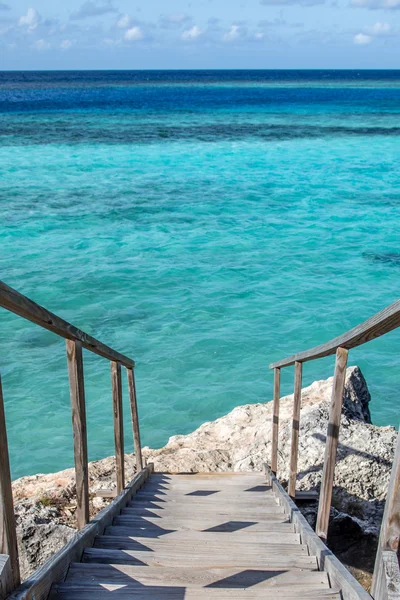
(241, 441)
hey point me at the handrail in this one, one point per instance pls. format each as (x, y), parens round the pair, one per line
(382, 322)
(22, 306)
(76, 339)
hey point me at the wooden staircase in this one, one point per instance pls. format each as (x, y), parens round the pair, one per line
(211, 535)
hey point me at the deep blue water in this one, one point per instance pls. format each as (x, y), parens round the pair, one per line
(205, 223)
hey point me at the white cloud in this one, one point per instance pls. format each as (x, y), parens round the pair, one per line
(134, 34)
(378, 28)
(65, 44)
(42, 45)
(124, 22)
(31, 19)
(376, 4)
(361, 39)
(174, 20)
(259, 35)
(192, 34)
(232, 34)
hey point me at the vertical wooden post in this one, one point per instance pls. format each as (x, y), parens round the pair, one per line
(325, 496)
(390, 528)
(135, 419)
(77, 393)
(275, 420)
(116, 380)
(294, 450)
(8, 534)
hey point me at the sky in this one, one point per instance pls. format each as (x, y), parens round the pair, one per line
(199, 34)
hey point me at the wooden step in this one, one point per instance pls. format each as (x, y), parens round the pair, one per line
(153, 523)
(252, 513)
(276, 557)
(219, 499)
(227, 547)
(231, 577)
(282, 536)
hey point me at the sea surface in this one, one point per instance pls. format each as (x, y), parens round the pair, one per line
(205, 223)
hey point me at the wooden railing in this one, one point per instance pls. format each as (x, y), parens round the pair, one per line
(76, 340)
(381, 323)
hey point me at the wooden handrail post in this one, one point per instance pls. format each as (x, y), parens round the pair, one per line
(77, 393)
(325, 496)
(116, 380)
(390, 528)
(294, 449)
(275, 421)
(8, 533)
(135, 419)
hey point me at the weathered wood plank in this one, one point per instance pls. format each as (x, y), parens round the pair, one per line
(77, 393)
(390, 528)
(15, 302)
(294, 448)
(8, 534)
(382, 322)
(154, 526)
(116, 380)
(135, 419)
(331, 445)
(7, 584)
(38, 585)
(275, 420)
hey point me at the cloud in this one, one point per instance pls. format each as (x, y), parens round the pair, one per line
(65, 44)
(134, 34)
(42, 45)
(192, 34)
(362, 39)
(376, 4)
(4, 6)
(92, 8)
(174, 21)
(379, 29)
(31, 19)
(124, 21)
(233, 34)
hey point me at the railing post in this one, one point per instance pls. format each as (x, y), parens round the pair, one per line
(8, 534)
(294, 450)
(325, 496)
(77, 393)
(118, 424)
(135, 419)
(390, 528)
(275, 421)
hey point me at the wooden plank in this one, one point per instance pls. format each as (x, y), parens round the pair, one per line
(8, 534)
(135, 419)
(77, 393)
(7, 584)
(198, 557)
(15, 302)
(294, 448)
(197, 523)
(339, 576)
(390, 527)
(275, 420)
(185, 501)
(116, 380)
(38, 585)
(382, 322)
(331, 445)
(231, 577)
(212, 512)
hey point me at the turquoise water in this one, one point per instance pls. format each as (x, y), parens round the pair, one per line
(205, 225)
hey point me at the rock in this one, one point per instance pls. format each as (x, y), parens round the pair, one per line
(241, 441)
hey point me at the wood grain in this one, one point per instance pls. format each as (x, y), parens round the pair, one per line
(116, 381)
(275, 420)
(382, 322)
(8, 535)
(77, 394)
(135, 419)
(15, 302)
(294, 448)
(332, 441)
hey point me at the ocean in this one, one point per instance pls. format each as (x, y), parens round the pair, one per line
(205, 223)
